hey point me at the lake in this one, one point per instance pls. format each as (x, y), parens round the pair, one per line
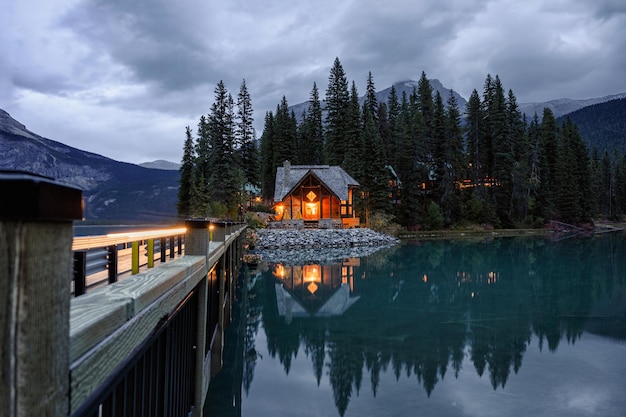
(501, 327)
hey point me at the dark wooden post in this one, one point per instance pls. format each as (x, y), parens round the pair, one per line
(197, 242)
(36, 266)
(112, 263)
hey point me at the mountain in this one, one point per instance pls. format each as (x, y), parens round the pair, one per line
(563, 106)
(602, 125)
(112, 190)
(383, 96)
(408, 86)
(161, 164)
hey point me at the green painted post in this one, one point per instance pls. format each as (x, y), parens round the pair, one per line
(150, 253)
(135, 258)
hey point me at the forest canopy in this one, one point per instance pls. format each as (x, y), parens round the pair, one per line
(419, 158)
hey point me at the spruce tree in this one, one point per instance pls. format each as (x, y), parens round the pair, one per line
(520, 169)
(244, 131)
(566, 197)
(534, 162)
(268, 169)
(620, 185)
(475, 139)
(455, 168)
(285, 134)
(352, 162)
(337, 104)
(582, 173)
(410, 163)
(374, 179)
(548, 163)
(225, 179)
(606, 186)
(203, 148)
(370, 97)
(245, 136)
(498, 124)
(186, 175)
(438, 149)
(314, 129)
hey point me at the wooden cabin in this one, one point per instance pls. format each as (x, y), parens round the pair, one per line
(315, 196)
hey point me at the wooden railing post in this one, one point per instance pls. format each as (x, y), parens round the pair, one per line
(197, 237)
(36, 266)
(197, 242)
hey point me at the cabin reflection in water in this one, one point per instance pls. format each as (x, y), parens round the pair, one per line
(315, 290)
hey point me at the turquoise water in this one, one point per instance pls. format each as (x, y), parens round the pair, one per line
(507, 327)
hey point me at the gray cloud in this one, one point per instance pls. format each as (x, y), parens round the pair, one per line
(94, 73)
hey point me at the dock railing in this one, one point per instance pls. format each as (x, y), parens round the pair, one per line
(103, 259)
(145, 345)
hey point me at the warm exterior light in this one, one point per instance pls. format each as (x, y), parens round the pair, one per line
(280, 272)
(147, 234)
(312, 208)
(311, 273)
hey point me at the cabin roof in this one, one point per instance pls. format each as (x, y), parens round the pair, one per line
(334, 177)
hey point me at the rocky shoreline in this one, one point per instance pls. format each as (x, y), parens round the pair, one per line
(311, 245)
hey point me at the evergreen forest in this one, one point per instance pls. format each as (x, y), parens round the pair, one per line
(421, 162)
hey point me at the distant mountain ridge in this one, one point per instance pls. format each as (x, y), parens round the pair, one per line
(161, 164)
(602, 125)
(112, 190)
(382, 96)
(563, 106)
(559, 107)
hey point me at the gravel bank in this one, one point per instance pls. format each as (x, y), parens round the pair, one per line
(301, 246)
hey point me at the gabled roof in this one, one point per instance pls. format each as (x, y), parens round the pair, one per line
(334, 177)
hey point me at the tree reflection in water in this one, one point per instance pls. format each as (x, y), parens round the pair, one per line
(421, 308)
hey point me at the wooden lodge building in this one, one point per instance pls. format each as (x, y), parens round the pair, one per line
(314, 196)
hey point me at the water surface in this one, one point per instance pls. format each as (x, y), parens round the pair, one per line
(507, 327)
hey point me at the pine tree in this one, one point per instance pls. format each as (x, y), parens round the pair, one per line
(186, 176)
(498, 124)
(438, 149)
(566, 197)
(337, 103)
(244, 131)
(581, 172)
(268, 170)
(388, 127)
(370, 97)
(285, 134)
(520, 170)
(410, 163)
(226, 182)
(203, 148)
(352, 161)
(374, 179)
(245, 136)
(620, 185)
(548, 164)
(426, 108)
(475, 139)
(606, 183)
(455, 168)
(315, 128)
(534, 212)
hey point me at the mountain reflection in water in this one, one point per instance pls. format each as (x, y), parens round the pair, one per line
(358, 337)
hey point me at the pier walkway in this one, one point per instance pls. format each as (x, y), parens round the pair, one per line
(145, 343)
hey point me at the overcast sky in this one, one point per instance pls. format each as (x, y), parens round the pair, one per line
(123, 78)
